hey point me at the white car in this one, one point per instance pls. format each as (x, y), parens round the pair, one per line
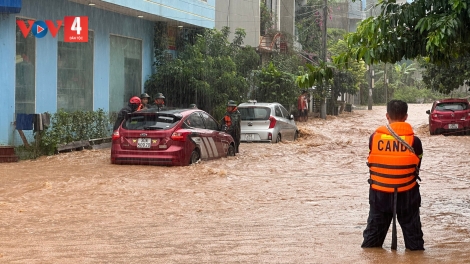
(266, 122)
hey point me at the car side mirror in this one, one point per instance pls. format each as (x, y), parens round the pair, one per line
(428, 112)
(291, 117)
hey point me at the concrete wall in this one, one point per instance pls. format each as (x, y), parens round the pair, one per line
(287, 17)
(239, 14)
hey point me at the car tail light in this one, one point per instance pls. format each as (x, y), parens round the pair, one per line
(180, 135)
(270, 136)
(116, 135)
(272, 122)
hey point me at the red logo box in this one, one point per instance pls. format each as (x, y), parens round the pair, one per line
(75, 29)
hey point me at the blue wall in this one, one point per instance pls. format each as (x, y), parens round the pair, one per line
(103, 23)
(195, 12)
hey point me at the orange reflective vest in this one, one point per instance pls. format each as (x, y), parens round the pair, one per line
(391, 164)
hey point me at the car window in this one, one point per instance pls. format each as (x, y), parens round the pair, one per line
(195, 120)
(209, 121)
(451, 106)
(277, 111)
(254, 113)
(151, 121)
(284, 111)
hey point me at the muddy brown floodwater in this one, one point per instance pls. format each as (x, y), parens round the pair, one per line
(295, 202)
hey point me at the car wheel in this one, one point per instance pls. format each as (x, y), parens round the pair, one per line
(231, 151)
(296, 135)
(432, 132)
(195, 157)
(278, 138)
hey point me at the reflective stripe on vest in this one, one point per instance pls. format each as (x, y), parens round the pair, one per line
(228, 121)
(391, 164)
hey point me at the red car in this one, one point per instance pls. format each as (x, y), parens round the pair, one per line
(449, 116)
(172, 137)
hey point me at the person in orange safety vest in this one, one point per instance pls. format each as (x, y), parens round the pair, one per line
(231, 123)
(394, 161)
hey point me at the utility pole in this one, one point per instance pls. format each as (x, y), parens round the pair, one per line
(371, 84)
(386, 83)
(325, 15)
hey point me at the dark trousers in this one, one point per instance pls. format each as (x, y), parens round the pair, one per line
(378, 224)
(237, 145)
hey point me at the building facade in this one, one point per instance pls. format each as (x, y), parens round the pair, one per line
(40, 71)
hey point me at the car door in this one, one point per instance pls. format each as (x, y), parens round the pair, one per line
(202, 137)
(290, 122)
(216, 139)
(283, 123)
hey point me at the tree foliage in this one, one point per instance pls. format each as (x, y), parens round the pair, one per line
(437, 29)
(208, 73)
(275, 85)
(446, 78)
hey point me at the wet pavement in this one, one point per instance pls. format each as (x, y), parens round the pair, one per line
(294, 202)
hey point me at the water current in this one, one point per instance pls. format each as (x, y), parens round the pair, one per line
(292, 202)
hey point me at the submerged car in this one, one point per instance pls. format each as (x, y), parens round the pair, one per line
(266, 122)
(449, 116)
(172, 137)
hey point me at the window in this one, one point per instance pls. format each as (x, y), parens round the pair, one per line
(277, 111)
(210, 122)
(150, 121)
(451, 106)
(125, 71)
(75, 74)
(254, 113)
(195, 120)
(284, 111)
(25, 92)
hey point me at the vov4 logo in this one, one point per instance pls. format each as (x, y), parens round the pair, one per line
(75, 28)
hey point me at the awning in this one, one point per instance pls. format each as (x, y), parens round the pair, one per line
(10, 6)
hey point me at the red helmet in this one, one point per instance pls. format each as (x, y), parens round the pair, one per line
(135, 100)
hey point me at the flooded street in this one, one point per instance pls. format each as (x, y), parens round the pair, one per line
(294, 202)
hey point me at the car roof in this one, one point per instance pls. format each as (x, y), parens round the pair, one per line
(453, 100)
(257, 104)
(176, 112)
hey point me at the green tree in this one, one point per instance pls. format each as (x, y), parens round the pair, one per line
(275, 85)
(446, 78)
(345, 80)
(437, 29)
(266, 19)
(320, 77)
(208, 73)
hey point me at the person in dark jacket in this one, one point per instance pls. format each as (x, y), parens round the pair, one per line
(159, 102)
(131, 107)
(394, 161)
(231, 123)
(145, 99)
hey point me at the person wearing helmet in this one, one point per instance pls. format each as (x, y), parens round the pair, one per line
(231, 123)
(192, 106)
(131, 107)
(159, 102)
(145, 98)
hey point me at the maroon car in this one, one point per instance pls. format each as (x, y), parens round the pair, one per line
(449, 116)
(172, 137)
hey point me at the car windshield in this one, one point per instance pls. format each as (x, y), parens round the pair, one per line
(150, 121)
(451, 106)
(255, 113)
